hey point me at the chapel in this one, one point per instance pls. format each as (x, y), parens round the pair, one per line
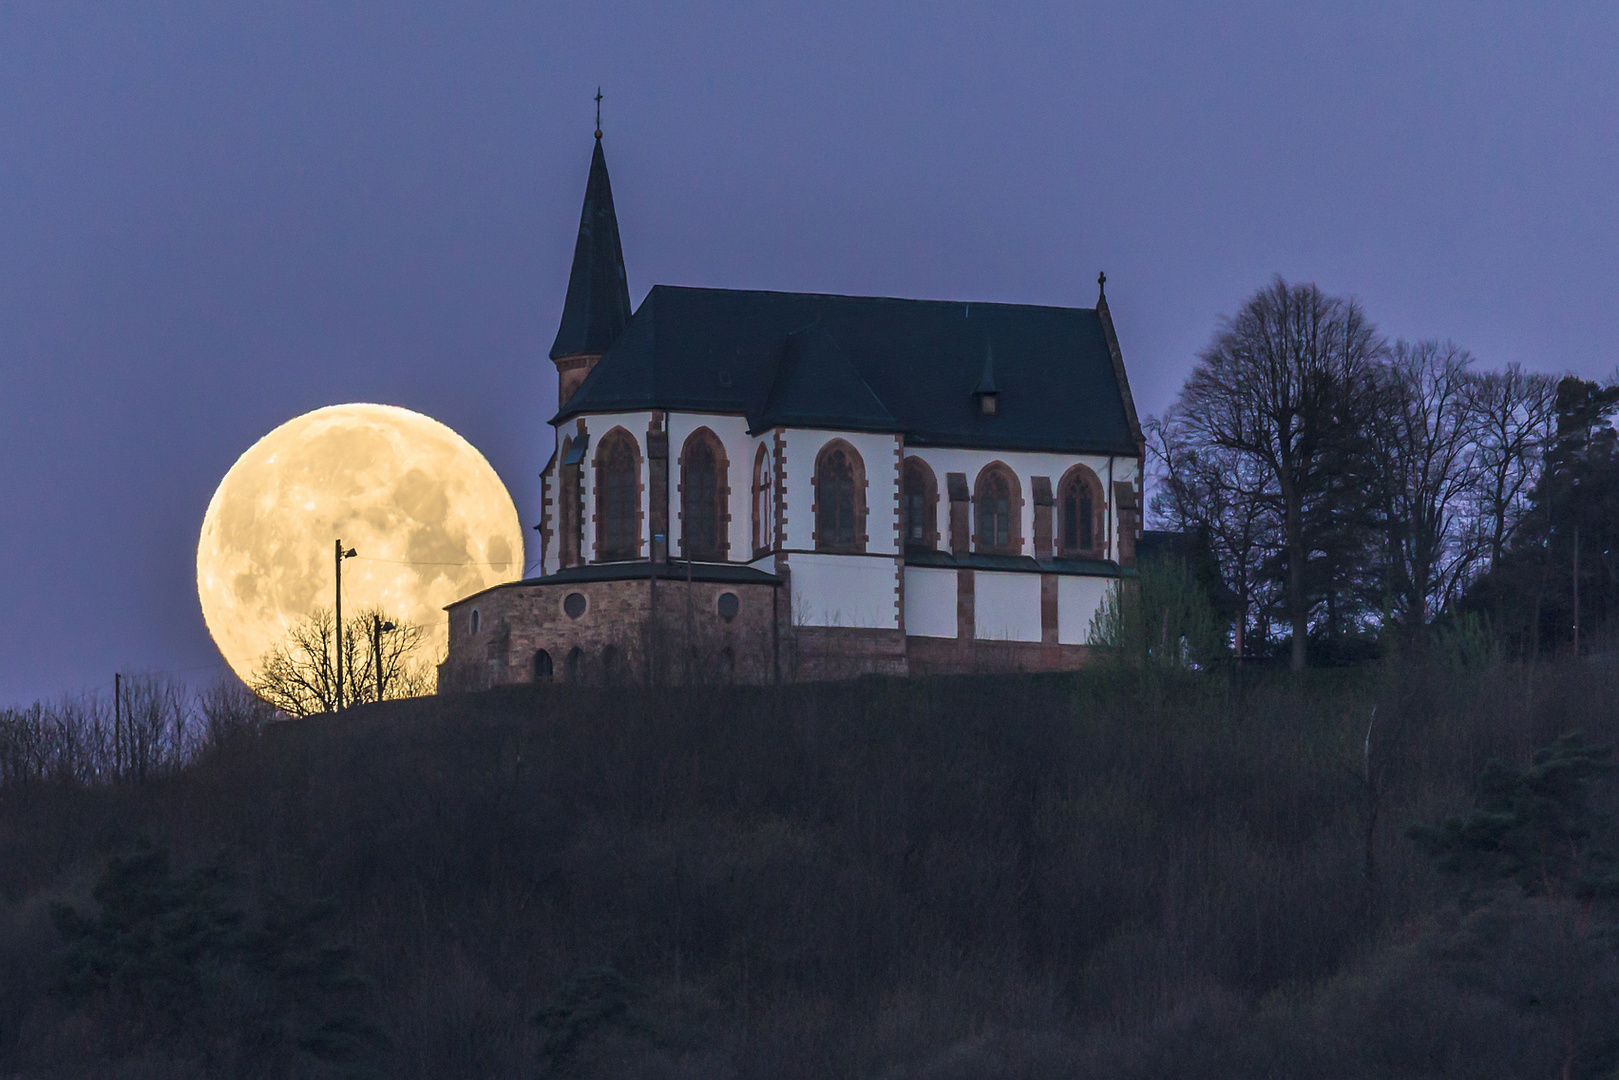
(758, 486)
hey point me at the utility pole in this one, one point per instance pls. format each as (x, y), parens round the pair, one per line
(377, 628)
(337, 696)
(117, 724)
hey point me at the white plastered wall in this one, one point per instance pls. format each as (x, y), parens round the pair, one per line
(548, 495)
(930, 602)
(597, 426)
(1078, 599)
(877, 453)
(739, 449)
(1006, 606)
(844, 590)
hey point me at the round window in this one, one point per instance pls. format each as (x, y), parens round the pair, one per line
(574, 604)
(728, 606)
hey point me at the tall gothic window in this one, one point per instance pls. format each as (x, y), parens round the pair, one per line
(1078, 500)
(701, 499)
(916, 504)
(839, 499)
(763, 502)
(618, 501)
(997, 504)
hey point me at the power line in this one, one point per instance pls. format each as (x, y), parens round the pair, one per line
(425, 562)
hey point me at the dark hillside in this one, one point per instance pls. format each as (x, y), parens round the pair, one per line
(1018, 876)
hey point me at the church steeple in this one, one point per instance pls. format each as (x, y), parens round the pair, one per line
(598, 303)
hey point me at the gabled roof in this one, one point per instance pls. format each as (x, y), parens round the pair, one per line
(598, 303)
(817, 386)
(871, 364)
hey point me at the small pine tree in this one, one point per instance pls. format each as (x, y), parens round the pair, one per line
(151, 945)
(163, 944)
(597, 1001)
(313, 999)
(1534, 826)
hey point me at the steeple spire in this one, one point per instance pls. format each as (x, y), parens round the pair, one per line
(598, 303)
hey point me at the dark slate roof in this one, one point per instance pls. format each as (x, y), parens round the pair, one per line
(1161, 543)
(817, 386)
(598, 303)
(986, 381)
(872, 364)
(944, 560)
(674, 570)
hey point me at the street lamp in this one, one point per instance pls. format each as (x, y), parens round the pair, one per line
(338, 566)
(378, 628)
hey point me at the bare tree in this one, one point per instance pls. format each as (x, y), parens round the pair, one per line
(229, 710)
(1276, 385)
(1514, 414)
(299, 677)
(158, 731)
(1221, 495)
(1429, 472)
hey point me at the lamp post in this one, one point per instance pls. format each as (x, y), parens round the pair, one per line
(338, 567)
(378, 627)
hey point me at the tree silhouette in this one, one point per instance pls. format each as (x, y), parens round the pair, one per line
(1283, 384)
(299, 676)
(1534, 826)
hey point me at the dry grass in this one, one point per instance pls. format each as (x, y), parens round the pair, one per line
(990, 876)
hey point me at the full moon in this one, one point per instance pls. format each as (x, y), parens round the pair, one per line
(428, 517)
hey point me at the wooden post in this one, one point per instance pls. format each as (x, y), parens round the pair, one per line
(337, 694)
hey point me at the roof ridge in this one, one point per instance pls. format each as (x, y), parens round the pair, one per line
(853, 296)
(901, 366)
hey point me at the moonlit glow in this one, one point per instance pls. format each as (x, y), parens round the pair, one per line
(428, 515)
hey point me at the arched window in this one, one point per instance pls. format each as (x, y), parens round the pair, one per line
(840, 499)
(999, 508)
(613, 667)
(575, 670)
(919, 525)
(542, 666)
(618, 498)
(764, 502)
(702, 498)
(1079, 512)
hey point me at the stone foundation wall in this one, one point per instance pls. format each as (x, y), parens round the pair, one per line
(662, 632)
(820, 653)
(957, 656)
(666, 632)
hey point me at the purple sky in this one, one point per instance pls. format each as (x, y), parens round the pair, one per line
(212, 221)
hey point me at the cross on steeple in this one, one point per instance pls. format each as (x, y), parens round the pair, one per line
(598, 112)
(1101, 282)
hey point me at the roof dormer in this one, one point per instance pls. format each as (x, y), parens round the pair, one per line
(986, 392)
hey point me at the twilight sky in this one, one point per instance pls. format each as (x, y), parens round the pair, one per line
(215, 217)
